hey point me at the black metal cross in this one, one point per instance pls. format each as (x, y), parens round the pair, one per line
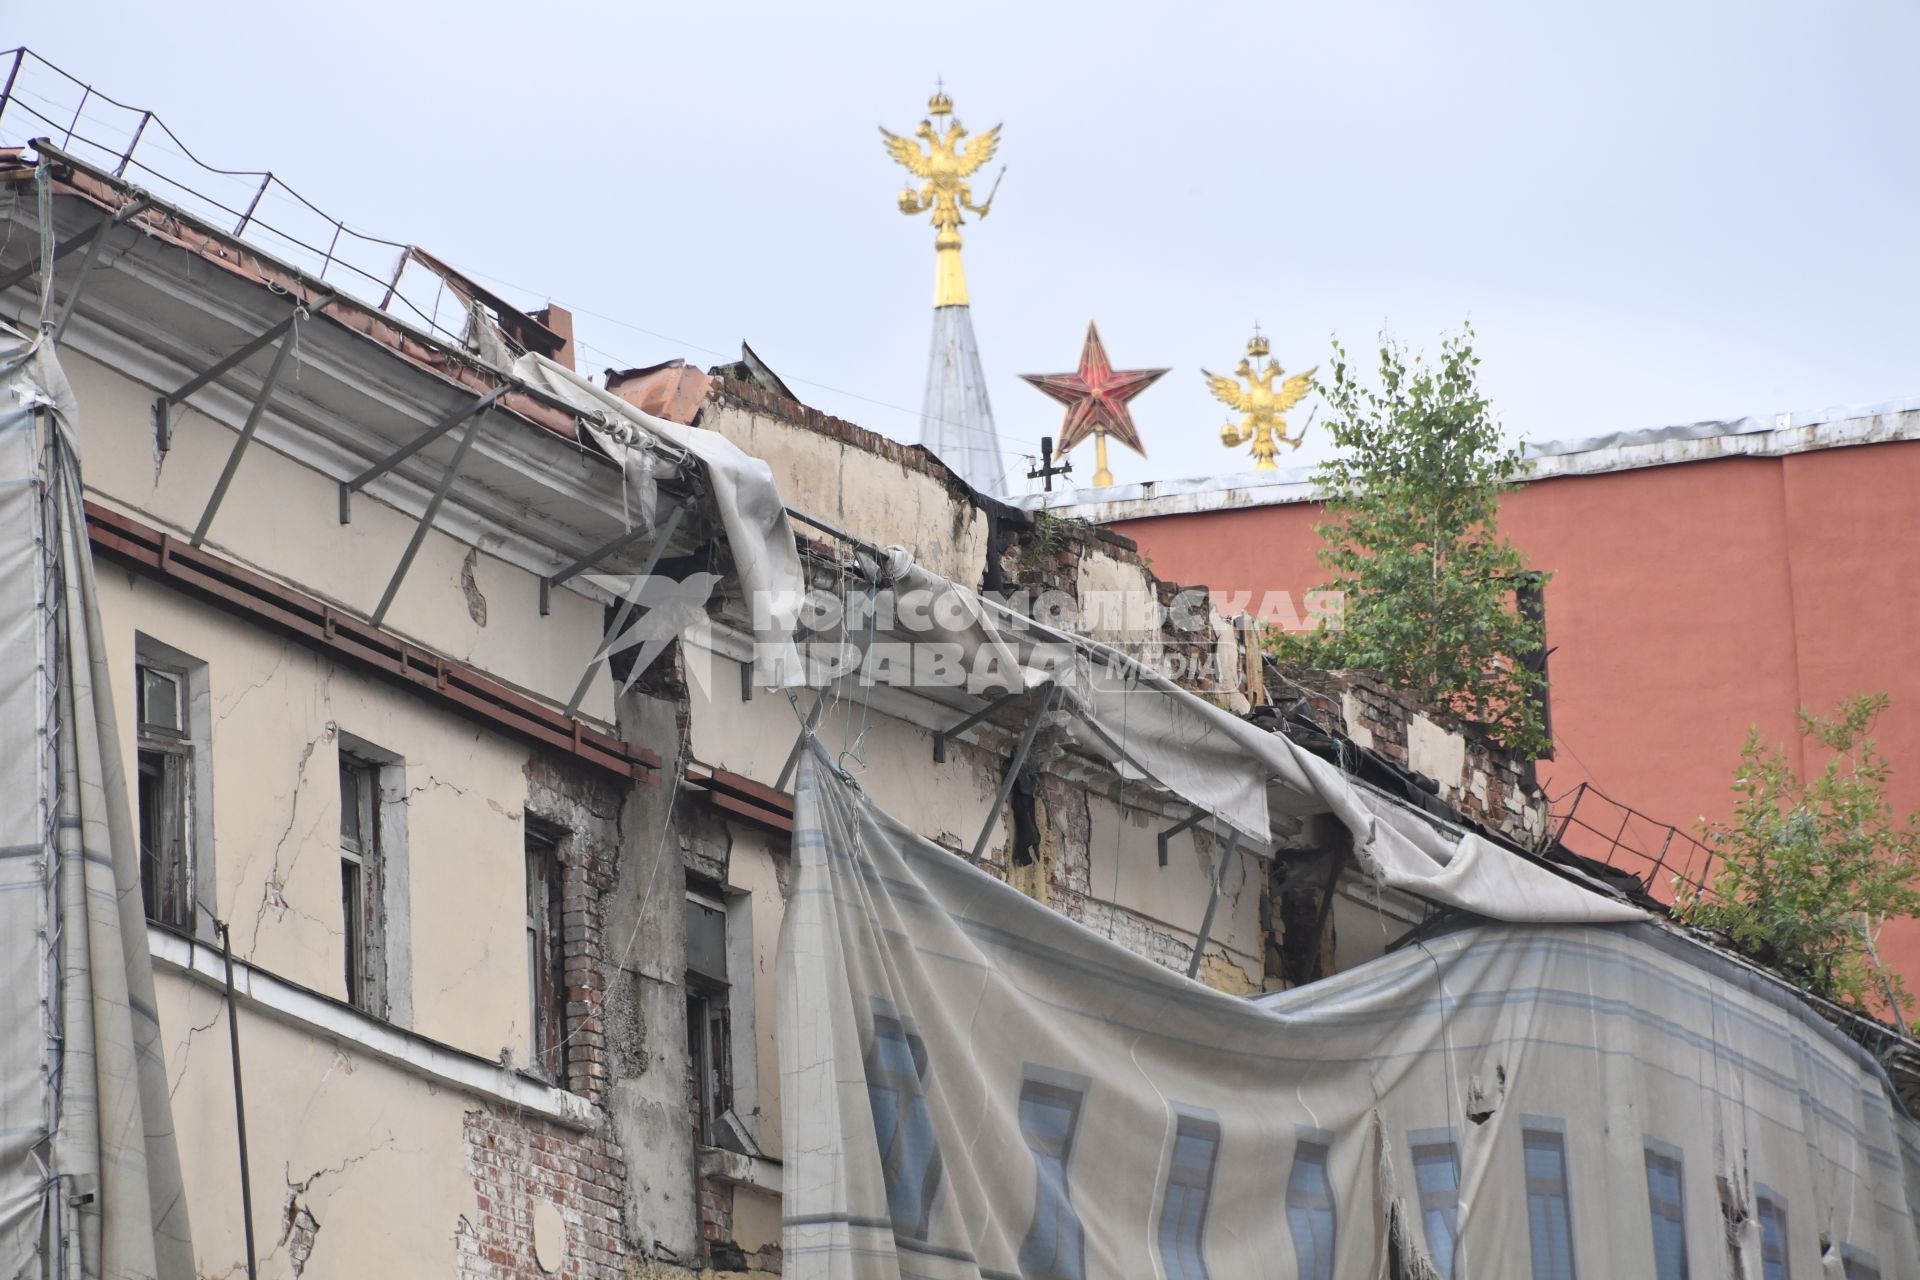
(1046, 470)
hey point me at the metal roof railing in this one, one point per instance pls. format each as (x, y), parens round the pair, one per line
(41, 100)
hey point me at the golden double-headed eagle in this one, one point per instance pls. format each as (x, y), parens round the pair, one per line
(948, 161)
(950, 158)
(1263, 404)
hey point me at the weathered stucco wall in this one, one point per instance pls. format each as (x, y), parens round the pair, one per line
(885, 492)
(282, 518)
(370, 1153)
(278, 710)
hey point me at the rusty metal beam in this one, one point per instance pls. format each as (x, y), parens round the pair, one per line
(347, 639)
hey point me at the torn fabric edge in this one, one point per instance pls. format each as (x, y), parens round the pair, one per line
(748, 500)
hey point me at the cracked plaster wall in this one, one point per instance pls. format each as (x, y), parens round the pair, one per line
(369, 1152)
(278, 708)
(840, 472)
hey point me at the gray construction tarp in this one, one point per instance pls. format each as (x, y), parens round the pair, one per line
(89, 1173)
(974, 1086)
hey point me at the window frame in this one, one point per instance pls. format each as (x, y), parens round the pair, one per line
(710, 1027)
(1663, 1157)
(364, 916)
(169, 879)
(1312, 1151)
(1424, 1145)
(546, 949)
(1771, 1208)
(1053, 1194)
(1548, 1133)
(909, 1112)
(1174, 1223)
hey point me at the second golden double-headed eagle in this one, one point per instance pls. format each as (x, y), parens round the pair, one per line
(1263, 405)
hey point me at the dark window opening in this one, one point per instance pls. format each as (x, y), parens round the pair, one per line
(1055, 1247)
(1183, 1215)
(546, 982)
(709, 1025)
(362, 885)
(163, 791)
(902, 1126)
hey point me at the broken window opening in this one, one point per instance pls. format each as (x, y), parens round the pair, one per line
(1310, 1210)
(896, 1067)
(1666, 1204)
(709, 1024)
(1436, 1176)
(164, 790)
(1773, 1235)
(1055, 1247)
(362, 885)
(546, 982)
(1549, 1214)
(1183, 1214)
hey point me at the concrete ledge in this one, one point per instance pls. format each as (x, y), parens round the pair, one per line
(326, 1017)
(757, 1172)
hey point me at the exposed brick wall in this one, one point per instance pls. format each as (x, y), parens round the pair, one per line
(518, 1161)
(584, 808)
(1491, 785)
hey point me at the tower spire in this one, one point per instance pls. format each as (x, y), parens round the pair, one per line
(956, 421)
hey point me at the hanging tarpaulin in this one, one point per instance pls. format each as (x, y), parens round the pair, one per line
(974, 1086)
(89, 1174)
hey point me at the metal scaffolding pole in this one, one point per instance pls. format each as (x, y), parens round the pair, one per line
(426, 518)
(131, 208)
(246, 433)
(162, 426)
(1018, 763)
(944, 736)
(411, 447)
(1213, 905)
(595, 556)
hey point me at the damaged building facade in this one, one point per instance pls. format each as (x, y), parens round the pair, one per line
(507, 966)
(469, 757)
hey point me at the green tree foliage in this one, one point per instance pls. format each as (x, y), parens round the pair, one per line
(1809, 868)
(1413, 542)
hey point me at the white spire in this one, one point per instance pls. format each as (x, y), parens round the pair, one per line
(956, 422)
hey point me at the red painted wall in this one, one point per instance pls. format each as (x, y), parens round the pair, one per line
(1687, 603)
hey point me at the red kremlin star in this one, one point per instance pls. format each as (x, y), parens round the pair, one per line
(1096, 396)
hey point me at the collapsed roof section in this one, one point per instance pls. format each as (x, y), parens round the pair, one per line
(577, 475)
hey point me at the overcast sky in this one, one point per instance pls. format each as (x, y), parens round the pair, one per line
(1650, 213)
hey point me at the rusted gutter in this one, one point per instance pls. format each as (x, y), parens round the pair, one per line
(341, 635)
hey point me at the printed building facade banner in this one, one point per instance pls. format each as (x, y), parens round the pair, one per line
(975, 1086)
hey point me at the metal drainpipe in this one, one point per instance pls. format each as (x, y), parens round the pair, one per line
(239, 1103)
